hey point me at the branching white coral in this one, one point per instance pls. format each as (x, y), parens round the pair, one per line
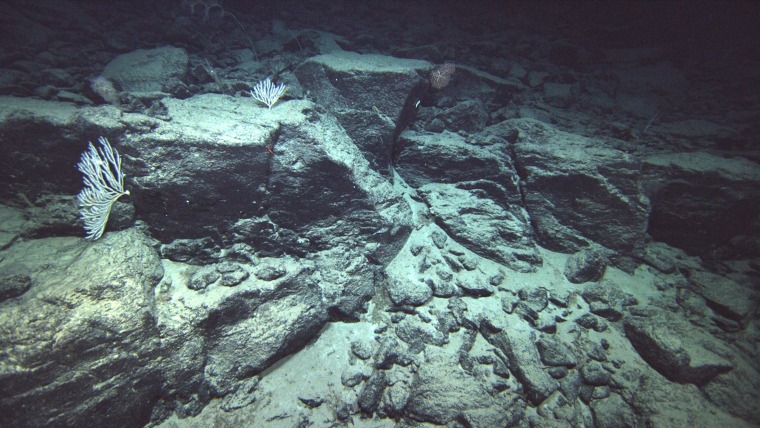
(103, 185)
(267, 92)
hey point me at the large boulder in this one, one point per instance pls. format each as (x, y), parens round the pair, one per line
(372, 96)
(577, 192)
(675, 350)
(702, 201)
(83, 340)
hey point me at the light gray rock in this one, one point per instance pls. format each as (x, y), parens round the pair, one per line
(613, 411)
(148, 70)
(442, 391)
(607, 300)
(487, 228)
(525, 362)
(84, 336)
(593, 374)
(578, 192)
(411, 330)
(673, 348)
(554, 352)
(301, 167)
(724, 295)
(96, 299)
(293, 163)
(371, 95)
(450, 158)
(410, 291)
(240, 330)
(737, 390)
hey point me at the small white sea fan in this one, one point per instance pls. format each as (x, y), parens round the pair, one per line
(268, 93)
(104, 87)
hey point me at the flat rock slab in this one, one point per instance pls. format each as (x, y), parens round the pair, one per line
(673, 349)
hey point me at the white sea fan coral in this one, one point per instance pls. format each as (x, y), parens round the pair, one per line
(103, 185)
(267, 92)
